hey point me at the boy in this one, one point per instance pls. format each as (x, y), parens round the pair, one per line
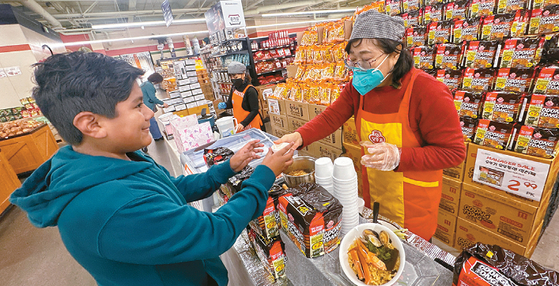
(120, 214)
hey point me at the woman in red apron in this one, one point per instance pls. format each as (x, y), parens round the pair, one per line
(243, 99)
(406, 119)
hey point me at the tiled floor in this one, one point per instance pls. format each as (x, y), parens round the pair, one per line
(32, 256)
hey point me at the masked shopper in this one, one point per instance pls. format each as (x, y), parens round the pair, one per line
(150, 100)
(243, 98)
(405, 118)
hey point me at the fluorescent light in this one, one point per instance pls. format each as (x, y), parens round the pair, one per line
(310, 12)
(290, 24)
(140, 24)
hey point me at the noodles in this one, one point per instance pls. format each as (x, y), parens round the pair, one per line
(296, 173)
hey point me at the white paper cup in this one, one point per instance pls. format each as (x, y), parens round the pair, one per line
(323, 167)
(360, 204)
(343, 169)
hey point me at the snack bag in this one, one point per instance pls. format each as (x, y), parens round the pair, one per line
(493, 134)
(540, 4)
(504, 107)
(522, 52)
(277, 91)
(413, 18)
(468, 126)
(301, 55)
(481, 54)
(327, 53)
(547, 81)
(514, 79)
(451, 78)
(433, 13)
(314, 93)
(338, 52)
(448, 56)
(318, 55)
(468, 103)
(496, 27)
(478, 79)
(539, 142)
(305, 92)
(424, 57)
(481, 8)
(300, 74)
(439, 32)
(509, 6)
(393, 7)
(327, 71)
(335, 93)
(337, 32)
(544, 21)
(324, 94)
(341, 72)
(410, 5)
(456, 10)
(543, 111)
(466, 30)
(416, 36)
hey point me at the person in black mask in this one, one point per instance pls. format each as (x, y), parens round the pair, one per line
(243, 98)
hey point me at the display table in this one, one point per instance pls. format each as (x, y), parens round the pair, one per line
(8, 182)
(28, 151)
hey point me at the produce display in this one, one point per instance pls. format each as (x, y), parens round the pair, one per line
(19, 127)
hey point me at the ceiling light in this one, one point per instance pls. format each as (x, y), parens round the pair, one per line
(291, 23)
(310, 12)
(139, 24)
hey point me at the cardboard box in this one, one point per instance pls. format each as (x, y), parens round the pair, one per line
(174, 94)
(348, 27)
(315, 110)
(294, 123)
(500, 215)
(334, 139)
(292, 71)
(450, 198)
(298, 110)
(318, 150)
(456, 172)
(278, 132)
(350, 132)
(276, 106)
(549, 180)
(264, 91)
(278, 121)
(446, 227)
(186, 93)
(354, 152)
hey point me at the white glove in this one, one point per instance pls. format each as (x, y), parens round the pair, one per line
(382, 156)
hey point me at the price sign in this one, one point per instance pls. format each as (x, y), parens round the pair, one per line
(525, 178)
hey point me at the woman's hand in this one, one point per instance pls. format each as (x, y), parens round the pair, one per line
(165, 105)
(382, 156)
(239, 127)
(294, 138)
(245, 155)
(279, 160)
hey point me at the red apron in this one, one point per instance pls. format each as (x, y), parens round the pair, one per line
(408, 198)
(239, 113)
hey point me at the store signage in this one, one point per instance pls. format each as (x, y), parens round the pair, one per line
(225, 14)
(167, 13)
(525, 178)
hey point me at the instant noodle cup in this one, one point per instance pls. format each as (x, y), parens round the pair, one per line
(393, 7)
(480, 8)
(544, 21)
(448, 56)
(481, 54)
(433, 13)
(416, 36)
(451, 78)
(478, 79)
(543, 111)
(539, 142)
(504, 107)
(522, 52)
(468, 126)
(514, 79)
(468, 103)
(440, 32)
(424, 57)
(456, 10)
(466, 30)
(547, 81)
(509, 6)
(493, 134)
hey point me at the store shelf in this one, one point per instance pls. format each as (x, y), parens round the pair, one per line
(229, 54)
(272, 71)
(275, 82)
(272, 59)
(279, 47)
(223, 82)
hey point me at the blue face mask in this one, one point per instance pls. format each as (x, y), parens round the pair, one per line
(365, 80)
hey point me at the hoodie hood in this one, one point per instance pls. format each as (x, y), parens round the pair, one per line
(46, 193)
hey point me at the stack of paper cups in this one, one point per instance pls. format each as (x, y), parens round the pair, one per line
(323, 169)
(345, 190)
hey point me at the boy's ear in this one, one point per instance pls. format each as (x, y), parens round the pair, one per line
(87, 123)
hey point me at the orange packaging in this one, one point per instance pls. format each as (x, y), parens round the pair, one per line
(416, 36)
(318, 53)
(338, 52)
(340, 71)
(327, 54)
(482, 8)
(300, 72)
(509, 6)
(543, 21)
(522, 52)
(314, 93)
(328, 71)
(478, 79)
(325, 91)
(336, 90)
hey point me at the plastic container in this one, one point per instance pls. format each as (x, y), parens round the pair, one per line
(226, 126)
(324, 167)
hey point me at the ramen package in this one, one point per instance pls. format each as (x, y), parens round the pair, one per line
(481, 8)
(324, 94)
(413, 18)
(217, 156)
(514, 79)
(478, 79)
(544, 21)
(509, 6)
(493, 134)
(411, 5)
(540, 4)
(451, 78)
(543, 111)
(539, 142)
(448, 56)
(433, 13)
(424, 57)
(271, 252)
(416, 36)
(466, 30)
(520, 23)
(547, 81)
(468, 126)
(481, 54)
(314, 94)
(439, 32)
(504, 107)
(496, 27)
(521, 52)
(393, 7)
(268, 225)
(468, 103)
(456, 10)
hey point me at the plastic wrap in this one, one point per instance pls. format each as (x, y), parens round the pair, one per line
(217, 156)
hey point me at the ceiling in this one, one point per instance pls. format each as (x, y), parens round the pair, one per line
(70, 16)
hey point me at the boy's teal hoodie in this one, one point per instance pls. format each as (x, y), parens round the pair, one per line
(128, 222)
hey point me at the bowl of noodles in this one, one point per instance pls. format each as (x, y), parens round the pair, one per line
(301, 171)
(372, 254)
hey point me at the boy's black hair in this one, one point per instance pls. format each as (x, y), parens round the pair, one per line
(155, 78)
(68, 84)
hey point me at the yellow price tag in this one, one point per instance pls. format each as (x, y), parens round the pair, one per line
(489, 254)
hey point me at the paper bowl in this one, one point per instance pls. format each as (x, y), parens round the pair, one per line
(354, 234)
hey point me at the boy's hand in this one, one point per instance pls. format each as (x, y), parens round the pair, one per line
(245, 155)
(279, 160)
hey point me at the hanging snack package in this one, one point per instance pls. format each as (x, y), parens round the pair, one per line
(300, 72)
(328, 71)
(314, 93)
(468, 126)
(325, 90)
(413, 18)
(337, 33)
(509, 6)
(543, 111)
(451, 78)
(543, 21)
(539, 142)
(522, 52)
(448, 56)
(520, 24)
(295, 92)
(466, 30)
(493, 134)
(439, 32)
(514, 79)
(305, 92)
(338, 52)
(416, 36)
(496, 27)
(540, 4)
(328, 57)
(478, 79)
(456, 10)
(481, 8)
(468, 103)
(424, 57)
(482, 54)
(504, 107)
(335, 93)
(300, 55)
(433, 13)
(318, 54)
(393, 7)
(547, 81)
(341, 72)
(410, 5)
(278, 91)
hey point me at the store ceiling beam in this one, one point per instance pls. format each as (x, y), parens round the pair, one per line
(118, 14)
(260, 10)
(37, 8)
